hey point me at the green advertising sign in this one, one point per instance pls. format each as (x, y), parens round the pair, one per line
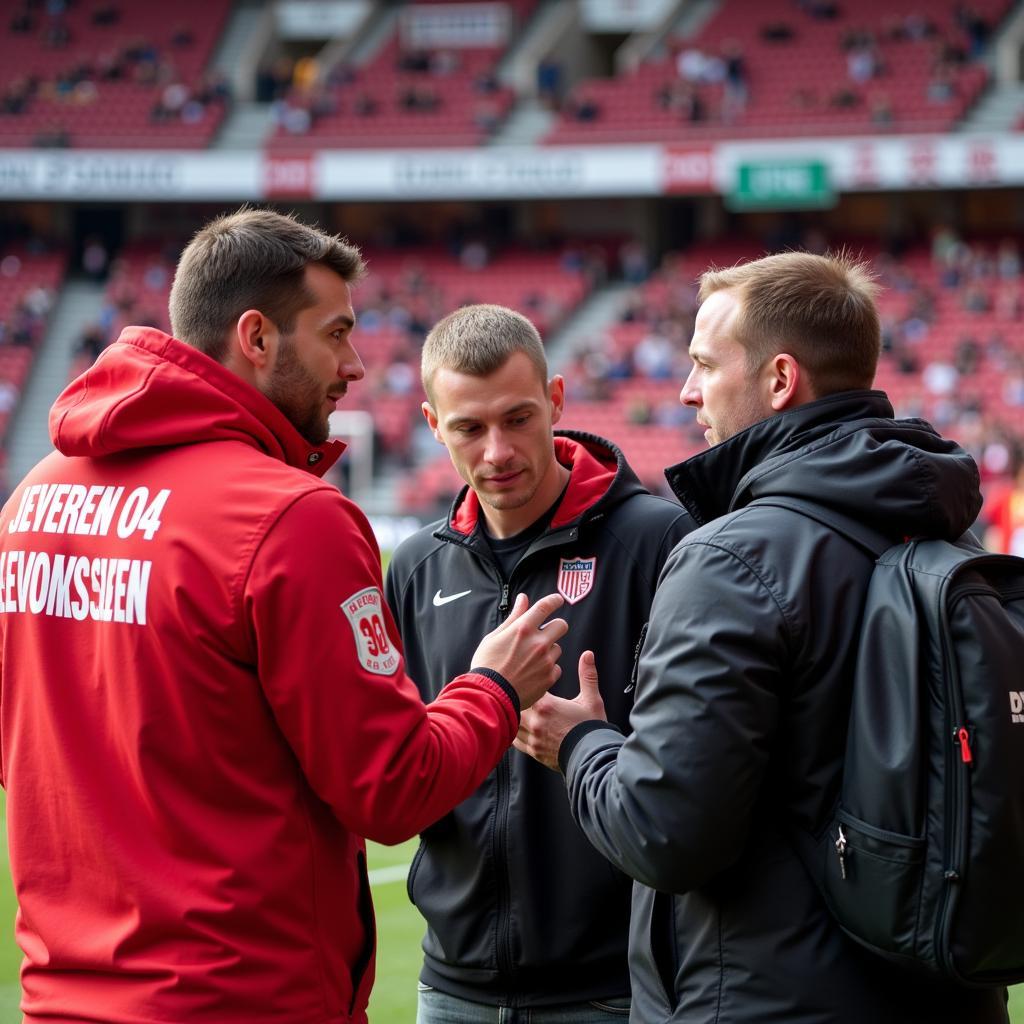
(781, 185)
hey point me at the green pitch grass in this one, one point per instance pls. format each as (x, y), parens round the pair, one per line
(399, 928)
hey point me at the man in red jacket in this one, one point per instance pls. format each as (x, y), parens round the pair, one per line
(204, 705)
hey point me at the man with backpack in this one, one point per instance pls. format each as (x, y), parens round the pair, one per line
(722, 800)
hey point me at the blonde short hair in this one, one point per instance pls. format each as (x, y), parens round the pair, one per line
(819, 309)
(477, 340)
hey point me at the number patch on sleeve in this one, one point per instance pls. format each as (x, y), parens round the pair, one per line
(364, 611)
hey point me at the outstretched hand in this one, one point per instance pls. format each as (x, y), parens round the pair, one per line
(544, 726)
(524, 648)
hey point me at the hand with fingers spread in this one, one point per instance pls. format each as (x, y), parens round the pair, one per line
(546, 724)
(524, 648)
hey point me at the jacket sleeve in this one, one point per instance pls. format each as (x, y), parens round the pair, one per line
(671, 805)
(331, 667)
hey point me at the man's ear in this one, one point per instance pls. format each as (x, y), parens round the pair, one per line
(431, 417)
(255, 339)
(787, 382)
(556, 394)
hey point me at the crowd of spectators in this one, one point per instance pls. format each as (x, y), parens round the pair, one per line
(102, 54)
(304, 93)
(787, 66)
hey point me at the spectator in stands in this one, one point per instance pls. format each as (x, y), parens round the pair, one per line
(1009, 303)
(105, 14)
(719, 795)
(506, 882)
(444, 62)
(17, 95)
(974, 25)
(56, 33)
(22, 21)
(655, 355)
(418, 98)
(182, 37)
(9, 395)
(486, 114)
(274, 79)
(844, 98)
(93, 342)
(777, 32)
(634, 263)
(975, 298)
(95, 258)
(862, 62)
(364, 105)
(967, 356)
(549, 82)
(820, 10)
(942, 85)
(735, 94)
(202, 749)
(682, 100)
(882, 113)
(1008, 261)
(413, 60)
(54, 136)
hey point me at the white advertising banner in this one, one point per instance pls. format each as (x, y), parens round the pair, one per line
(127, 174)
(491, 173)
(320, 19)
(850, 165)
(453, 26)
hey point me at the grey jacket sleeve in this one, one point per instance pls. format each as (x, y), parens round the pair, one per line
(671, 805)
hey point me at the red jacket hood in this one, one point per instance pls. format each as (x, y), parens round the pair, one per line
(150, 390)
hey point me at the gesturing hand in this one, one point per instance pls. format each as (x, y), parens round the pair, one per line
(545, 725)
(524, 648)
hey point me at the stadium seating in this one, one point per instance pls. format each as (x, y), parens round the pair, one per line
(81, 78)
(28, 283)
(801, 75)
(954, 355)
(403, 99)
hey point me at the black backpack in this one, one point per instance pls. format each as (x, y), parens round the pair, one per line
(923, 861)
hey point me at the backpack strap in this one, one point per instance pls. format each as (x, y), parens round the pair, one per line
(873, 542)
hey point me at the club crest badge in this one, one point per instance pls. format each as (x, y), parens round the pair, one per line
(576, 577)
(374, 648)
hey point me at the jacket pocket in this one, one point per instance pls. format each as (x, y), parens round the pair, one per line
(410, 878)
(873, 881)
(664, 949)
(362, 963)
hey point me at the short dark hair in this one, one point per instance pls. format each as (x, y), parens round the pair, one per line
(251, 259)
(820, 309)
(477, 340)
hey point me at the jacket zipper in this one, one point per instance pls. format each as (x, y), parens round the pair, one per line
(958, 761)
(503, 787)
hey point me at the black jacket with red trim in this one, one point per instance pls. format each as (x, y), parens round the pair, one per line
(521, 910)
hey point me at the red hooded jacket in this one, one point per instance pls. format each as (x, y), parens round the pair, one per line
(204, 708)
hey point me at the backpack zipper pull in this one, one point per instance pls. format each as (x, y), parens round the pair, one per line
(962, 737)
(841, 850)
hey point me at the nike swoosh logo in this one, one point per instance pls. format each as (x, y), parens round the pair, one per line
(439, 600)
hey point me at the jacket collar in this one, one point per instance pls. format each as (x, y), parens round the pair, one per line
(598, 475)
(711, 483)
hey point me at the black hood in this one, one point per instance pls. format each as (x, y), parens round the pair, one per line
(845, 452)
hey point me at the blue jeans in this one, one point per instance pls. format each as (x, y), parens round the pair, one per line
(440, 1008)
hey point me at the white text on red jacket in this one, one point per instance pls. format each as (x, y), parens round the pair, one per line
(76, 586)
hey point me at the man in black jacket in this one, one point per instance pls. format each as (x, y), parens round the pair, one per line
(744, 679)
(522, 913)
